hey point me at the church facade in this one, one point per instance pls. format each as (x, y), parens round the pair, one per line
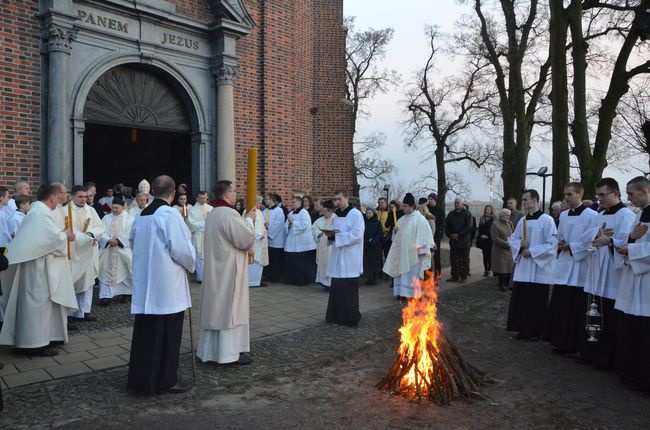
(116, 91)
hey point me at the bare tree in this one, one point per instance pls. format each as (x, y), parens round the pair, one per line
(511, 44)
(369, 164)
(440, 113)
(632, 125)
(365, 78)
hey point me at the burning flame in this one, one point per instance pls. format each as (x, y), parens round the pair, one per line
(419, 329)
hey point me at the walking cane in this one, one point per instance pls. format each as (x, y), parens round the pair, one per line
(192, 346)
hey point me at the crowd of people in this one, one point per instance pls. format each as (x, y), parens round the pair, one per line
(141, 245)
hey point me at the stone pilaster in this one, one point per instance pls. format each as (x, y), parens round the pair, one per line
(225, 71)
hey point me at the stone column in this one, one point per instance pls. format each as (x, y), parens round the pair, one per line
(59, 146)
(225, 74)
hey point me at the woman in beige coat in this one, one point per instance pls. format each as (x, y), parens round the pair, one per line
(502, 263)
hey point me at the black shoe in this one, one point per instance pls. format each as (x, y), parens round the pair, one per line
(89, 318)
(263, 284)
(104, 302)
(181, 386)
(486, 273)
(462, 280)
(38, 352)
(244, 359)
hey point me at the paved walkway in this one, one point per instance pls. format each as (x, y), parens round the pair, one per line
(275, 309)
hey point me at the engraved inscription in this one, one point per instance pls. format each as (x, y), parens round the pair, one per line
(103, 21)
(178, 40)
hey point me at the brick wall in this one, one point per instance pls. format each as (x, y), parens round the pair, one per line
(20, 100)
(289, 95)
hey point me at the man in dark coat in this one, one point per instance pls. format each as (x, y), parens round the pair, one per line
(438, 212)
(458, 227)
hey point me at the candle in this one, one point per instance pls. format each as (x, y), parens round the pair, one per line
(68, 224)
(251, 188)
(394, 217)
(525, 229)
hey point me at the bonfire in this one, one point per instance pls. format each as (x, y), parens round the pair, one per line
(428, 365)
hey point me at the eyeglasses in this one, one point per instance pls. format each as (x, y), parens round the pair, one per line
(604, 194)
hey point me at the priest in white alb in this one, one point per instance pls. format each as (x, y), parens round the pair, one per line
(323, 249)
(37, 288)
(632, 356)
(274, 220)
(260, 248)
(141, 202)
(196, 221)
(115, 255)
(345, 264)
(84, 253)
(225, 309)
(534, 249)
(410, 254)
(611, 228)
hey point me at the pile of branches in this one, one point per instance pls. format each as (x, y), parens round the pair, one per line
(449, 378)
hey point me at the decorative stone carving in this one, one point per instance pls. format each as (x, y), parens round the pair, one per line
(224, 73)
(60, 39)
(134, 97)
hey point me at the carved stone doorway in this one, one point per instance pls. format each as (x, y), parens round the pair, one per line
(136, 128)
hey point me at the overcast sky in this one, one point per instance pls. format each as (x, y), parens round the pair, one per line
(407, 53)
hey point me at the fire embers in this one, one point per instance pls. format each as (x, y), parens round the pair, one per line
(428, 365)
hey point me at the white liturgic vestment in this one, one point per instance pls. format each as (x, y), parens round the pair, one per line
(541, 235)
(276, 232)
(5, 229)
(37, 286)
(115, 262)
(346, 257)
(135, 211)
(298, 233)
(575, 229)
(225, 305)
(260, 250)
(196, 217)
(605, 264)
(84, 254)
(162, 255)
(184, 212)
(410, 254)
(323, 251)
(633, 296)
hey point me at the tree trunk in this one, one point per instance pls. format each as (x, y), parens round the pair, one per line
(441, 171)
(559, 99)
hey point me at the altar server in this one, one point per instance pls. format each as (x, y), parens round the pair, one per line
(345, 264)
(299, 247)
(567, 308)
(633, 298)
(84, 253)
(260, 248)
(610, 229)
(37, 288)
(410, 253)
(162, 256)
(115, 255)
(274, 219)
(224, 321)
(196, 221)
(534, 248)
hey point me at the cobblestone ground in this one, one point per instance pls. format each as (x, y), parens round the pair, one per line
(324, 377)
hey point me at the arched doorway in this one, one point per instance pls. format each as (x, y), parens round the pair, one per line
(137, 126)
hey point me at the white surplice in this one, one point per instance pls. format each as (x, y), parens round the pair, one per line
(541, 235)
(606, 265)
(298, 234)
(162, 255)
(115, 262)
(571, 267)
(633, 296)
(276, 233)
(346, 258)
(410, 254)
(260, 251)
(37, 287)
